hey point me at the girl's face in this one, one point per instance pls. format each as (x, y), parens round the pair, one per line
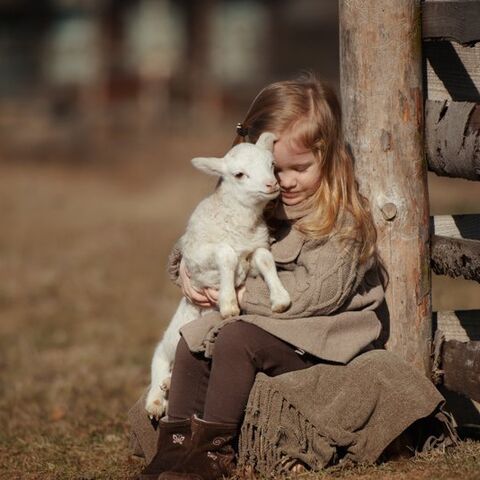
(297, 171)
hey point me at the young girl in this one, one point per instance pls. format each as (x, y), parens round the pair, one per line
(324, 247)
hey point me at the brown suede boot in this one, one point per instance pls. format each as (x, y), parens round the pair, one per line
(211, 454)
(173, 442)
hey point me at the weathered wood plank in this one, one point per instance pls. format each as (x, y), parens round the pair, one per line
(451, 71)
(456, 226)
(456, 257)
(466, 410)
(452, 139)
(382, 101)
(461, 367)
(461, 325)
(457, 20)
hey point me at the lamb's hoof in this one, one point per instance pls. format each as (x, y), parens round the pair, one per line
(281, 302)
(156, 404)
(280, 307)
(230, 309)
(165, 386)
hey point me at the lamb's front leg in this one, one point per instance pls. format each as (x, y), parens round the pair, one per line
(263, 260)
(226, 260)
(162, 361)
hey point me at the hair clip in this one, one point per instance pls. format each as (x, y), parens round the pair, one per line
(241, 130)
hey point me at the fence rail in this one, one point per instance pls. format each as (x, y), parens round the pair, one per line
(456, 257)
(460, 325)
(455, 249)
(461, 367)
(451, 71)
(455, 19)
(452, 131)
(456, 226)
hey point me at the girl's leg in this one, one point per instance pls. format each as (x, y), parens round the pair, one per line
(188, 386)
(241, 351)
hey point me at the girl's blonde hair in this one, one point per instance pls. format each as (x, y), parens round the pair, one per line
(308, 110)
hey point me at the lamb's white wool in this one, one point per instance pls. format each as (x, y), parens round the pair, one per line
(225, 240)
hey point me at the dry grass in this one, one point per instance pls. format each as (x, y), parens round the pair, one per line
(462, 463)
(83, 299)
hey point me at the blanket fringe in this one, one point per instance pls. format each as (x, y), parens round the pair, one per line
(265, 438)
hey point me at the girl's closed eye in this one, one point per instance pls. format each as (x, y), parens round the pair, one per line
(295, 168)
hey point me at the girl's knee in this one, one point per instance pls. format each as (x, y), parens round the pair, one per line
(182, 345)
(182, 353)
(237, 335)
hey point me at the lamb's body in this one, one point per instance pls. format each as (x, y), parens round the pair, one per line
(225, 240)
(219, 220)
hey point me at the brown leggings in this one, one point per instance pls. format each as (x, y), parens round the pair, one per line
(218, 389)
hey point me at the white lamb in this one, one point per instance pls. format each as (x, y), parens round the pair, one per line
(226, 239)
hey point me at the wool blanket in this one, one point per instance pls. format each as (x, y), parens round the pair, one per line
(332, 413)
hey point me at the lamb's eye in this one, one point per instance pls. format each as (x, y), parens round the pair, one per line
(239, 175)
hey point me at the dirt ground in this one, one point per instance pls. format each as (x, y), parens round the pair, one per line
(84, 297)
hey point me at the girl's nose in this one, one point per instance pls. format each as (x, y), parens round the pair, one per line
(285, 180)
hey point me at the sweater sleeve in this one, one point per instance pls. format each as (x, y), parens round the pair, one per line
(324, 276)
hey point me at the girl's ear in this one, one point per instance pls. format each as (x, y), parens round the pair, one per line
(266, 141)
(210, 165)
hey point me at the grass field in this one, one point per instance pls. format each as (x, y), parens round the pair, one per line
(84, 297)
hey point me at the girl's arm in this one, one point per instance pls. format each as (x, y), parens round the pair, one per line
(325, 275)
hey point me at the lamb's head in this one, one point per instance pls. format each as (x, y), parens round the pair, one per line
(247, 170)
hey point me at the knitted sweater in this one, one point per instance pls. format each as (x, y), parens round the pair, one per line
(334, 298)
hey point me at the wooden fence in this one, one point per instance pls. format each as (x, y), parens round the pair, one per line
(410, 85)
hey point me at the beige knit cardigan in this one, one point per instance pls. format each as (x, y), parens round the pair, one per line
(334, 298)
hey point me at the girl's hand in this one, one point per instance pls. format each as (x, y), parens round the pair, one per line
(212, 295)
(205, 298)
(240, 292)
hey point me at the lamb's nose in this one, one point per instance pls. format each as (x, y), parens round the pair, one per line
(272, 185)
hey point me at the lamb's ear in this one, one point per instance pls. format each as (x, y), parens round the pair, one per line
(210, 165)
(266, 141)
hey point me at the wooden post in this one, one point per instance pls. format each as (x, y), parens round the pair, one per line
(381, 88)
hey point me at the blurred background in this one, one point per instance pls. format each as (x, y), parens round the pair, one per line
(102, 105)
(75, 74)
